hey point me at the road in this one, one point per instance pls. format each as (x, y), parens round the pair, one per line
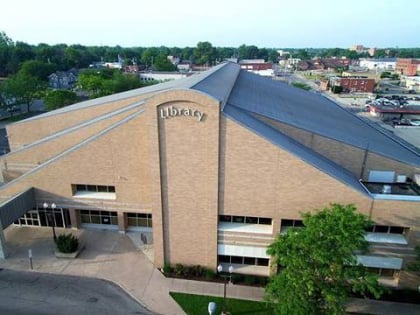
(23, 293)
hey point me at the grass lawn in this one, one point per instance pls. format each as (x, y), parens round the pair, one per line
(198, 305)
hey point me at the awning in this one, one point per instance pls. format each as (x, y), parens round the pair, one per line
(380, 262)
(242, 251)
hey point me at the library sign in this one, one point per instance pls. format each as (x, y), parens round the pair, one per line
(173, 112)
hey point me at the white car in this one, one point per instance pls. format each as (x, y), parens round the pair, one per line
(415, 122)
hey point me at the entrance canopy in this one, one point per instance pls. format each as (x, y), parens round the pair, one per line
(12, 209)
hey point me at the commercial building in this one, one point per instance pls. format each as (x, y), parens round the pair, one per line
(352, 84)
(210, 169)
(381, 64)
(407, 66)
(257, 66)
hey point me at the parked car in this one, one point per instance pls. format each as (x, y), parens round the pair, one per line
(415, 122)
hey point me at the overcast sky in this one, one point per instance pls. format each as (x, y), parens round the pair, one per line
(264, 23)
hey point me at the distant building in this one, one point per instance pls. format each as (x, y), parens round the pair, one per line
(323, 64)
(353, 84)
(258, 66)
(394, 112)
(407, 66)
(283, 53)
(161, 76)
(360, 49)
(174, 60)
(131, 68)
(184, 66)
(63, 79)
(411, 82)
(383, 64)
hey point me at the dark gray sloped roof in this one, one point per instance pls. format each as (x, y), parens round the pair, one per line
(294, 147)
(220, 83)
(314, 113)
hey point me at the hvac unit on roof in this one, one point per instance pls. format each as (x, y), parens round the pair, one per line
(401, 179)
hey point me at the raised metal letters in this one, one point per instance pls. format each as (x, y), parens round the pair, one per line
(172, 111)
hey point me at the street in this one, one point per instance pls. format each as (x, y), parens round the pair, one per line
(24, 292)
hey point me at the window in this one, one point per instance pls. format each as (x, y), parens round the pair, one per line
(290, 223)
(244, 219)
(387, 234)
(387, 229)
(383, 272)
(93, 191)
(239, 260)
(98, 217)
(139, 219)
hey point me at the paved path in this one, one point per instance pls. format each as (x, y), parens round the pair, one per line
(113, 256)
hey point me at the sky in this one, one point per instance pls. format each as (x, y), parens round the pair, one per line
(224, 23)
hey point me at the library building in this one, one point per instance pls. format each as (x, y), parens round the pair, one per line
(210, 168)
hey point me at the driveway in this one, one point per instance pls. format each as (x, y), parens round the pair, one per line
(23, 292)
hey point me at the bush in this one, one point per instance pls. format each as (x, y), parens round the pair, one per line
(250, 280)
(209, 274)
(167, 268)
(67, 243)
(179, 269)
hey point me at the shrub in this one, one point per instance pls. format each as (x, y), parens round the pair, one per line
(249, 280)
(167, 268)
(198, 270)
(67, 243)
(179, 269)
(209, 274)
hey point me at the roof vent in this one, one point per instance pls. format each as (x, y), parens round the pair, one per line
(386, 189)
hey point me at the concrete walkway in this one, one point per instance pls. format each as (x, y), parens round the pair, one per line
(113, 256)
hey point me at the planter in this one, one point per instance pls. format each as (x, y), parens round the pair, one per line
(73, 255)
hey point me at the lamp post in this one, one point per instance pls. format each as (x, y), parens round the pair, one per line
(220, 269)
(50, 216)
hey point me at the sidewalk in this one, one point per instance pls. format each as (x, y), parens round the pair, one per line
(113, 256)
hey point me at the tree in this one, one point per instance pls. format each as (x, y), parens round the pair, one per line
(204, 53)
(59, 98)
(318, 267)
(38, 69)
(162, 63)
(22, 89)
(248, 52)
(149, 56)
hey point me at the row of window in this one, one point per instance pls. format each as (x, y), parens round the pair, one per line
(110, 217)
(98, 217)
(139, 219)
(382, 272)
(286, 223)
(92, 188)
(243, 260)
(387, 229)
(244, 219)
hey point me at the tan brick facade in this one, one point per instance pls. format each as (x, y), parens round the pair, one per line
(179, 158)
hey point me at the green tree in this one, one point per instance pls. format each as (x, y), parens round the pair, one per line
(107, 81)
(163, 64)
(59, 98)
(90, 81)
(205, 53)
(23, 89)
(318, 267)
(148, 57)
(6, 45)
(248, 52)
(38, 69)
